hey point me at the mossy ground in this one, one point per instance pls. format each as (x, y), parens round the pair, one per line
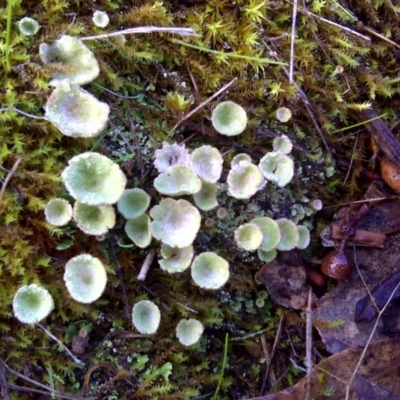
(151, 81)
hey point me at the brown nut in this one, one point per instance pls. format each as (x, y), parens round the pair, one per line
(337, 265)
(390, 174)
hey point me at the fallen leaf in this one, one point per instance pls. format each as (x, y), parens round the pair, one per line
(285, 281)
(331, 375)
(367, 390)
(368, 307)
(334, 313)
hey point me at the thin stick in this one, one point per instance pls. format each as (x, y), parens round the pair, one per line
(21, 112)
(267, 355)
(200, 106)
(372, 32)
(196, 93)
(50, 335)
(9, 175)
(144, 29)
(306, 102)
(338, 26)
(3, 384)
(293, 35)
(274, 348)
(56, 392)
(116, 94)
(146, 265)
(351, 161)
(358, 202)
(309, 343)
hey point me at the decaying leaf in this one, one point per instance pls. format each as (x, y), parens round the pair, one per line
(368, 307)
(285, 280)
(367, 390)
(329, 378)
(375, 265)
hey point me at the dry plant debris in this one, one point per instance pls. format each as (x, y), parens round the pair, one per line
(330, 377)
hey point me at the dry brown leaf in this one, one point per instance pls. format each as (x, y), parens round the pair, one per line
(285, 281)
(375, 265)
(332, 374)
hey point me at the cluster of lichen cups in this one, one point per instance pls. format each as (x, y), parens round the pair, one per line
(97, 183)
(73, 110)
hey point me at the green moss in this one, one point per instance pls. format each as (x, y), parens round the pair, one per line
(154, 80)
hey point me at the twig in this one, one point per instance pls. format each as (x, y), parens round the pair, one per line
(363, 280)
(146, 265)
(358, 202)
(274, 349)
(200, 106)
(183, 306)
(268, 360)
(306, 102)
(144, 29)
(338, 25)
(351, 161)
(9, 175)
(21, 112)
(41, 385)
(51, 336)
(121, 279)
(116, 94)
(309, 344)
(375, 33)
(3, 384)
(293, 35)
(196, 93)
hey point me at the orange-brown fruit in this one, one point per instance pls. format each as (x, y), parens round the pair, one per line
(391, 174)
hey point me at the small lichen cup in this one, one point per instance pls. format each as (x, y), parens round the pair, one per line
(80, 64)
(94, 179)
(28, 26)
(76, 112)
(189, 331)
(175, 222)
(210, 271)
(146, 317)
(229, 118)
(58, 212)
(85, 278)
(32, 303)
(100, 19)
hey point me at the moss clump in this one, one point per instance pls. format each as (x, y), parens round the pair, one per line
(136, 76)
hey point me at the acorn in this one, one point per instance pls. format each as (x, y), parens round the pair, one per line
(337, 264)
(390, 174)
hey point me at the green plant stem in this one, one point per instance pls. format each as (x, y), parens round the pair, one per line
(221, 375)
(232, 55)
(360, 123)
(8, 34)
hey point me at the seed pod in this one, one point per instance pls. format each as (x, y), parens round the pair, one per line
(391, 174)
(337, 264)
